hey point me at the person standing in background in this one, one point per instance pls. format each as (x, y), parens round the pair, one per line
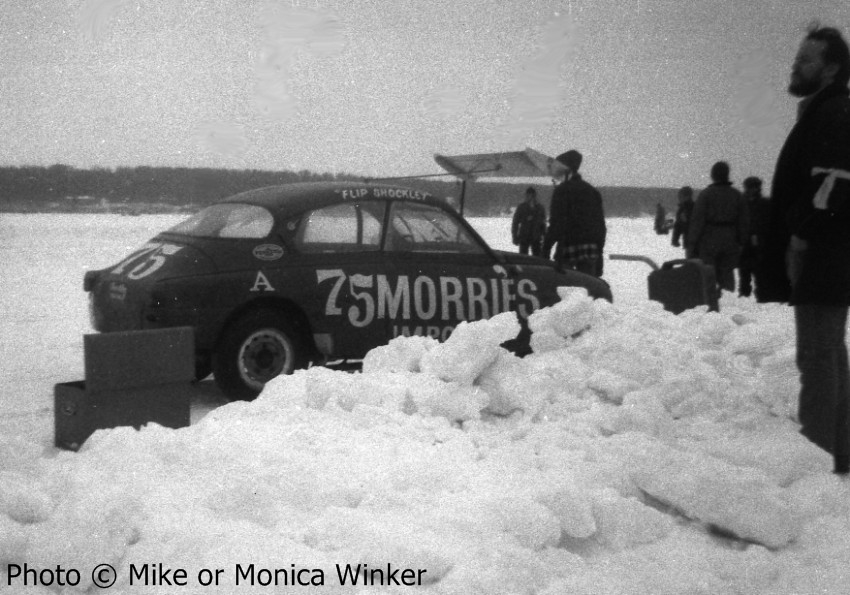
(806, 261)
(683, 216)
(576, 219)
(758, 208)
(719, 226)
(660, 224)
(529, 224)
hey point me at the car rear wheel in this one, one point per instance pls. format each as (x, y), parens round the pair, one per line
(254, 349)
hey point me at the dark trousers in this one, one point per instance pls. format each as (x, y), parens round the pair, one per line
(824, 406)
(748, 271)
(745, 280)
(535, 248)
(586, 265)
(724, 263)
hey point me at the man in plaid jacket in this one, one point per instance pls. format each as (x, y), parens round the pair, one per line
(576, 219)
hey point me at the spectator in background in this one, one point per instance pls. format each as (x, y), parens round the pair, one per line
(683, 217)
(576, 219)
(719, 226)
(529, 224)
(758, 208)
(661, 227)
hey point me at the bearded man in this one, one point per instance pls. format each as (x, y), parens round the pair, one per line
(807, 253)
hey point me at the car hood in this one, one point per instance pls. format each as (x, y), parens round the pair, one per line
(595, 286)
(520, 259)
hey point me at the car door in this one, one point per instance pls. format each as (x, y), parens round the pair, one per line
(443, 273)
(338, 250)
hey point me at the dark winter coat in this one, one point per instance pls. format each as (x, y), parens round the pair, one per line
(576, 215)
(529, 223)
(683, 221)
(719, 222)
(820, 140)
(759, 210)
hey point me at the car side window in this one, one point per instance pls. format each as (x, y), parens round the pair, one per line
(416, 227)
(341, 228)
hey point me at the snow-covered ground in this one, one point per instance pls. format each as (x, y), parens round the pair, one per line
(650, 454)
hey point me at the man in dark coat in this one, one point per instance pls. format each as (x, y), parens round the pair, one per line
(683, 216)
(529, 224)
(719, 226)
(759, 210)
(576, 219)
(807, 254)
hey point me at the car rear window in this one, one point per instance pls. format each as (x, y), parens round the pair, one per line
(229, 220)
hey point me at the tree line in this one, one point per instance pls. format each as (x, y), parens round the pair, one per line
(63, 188)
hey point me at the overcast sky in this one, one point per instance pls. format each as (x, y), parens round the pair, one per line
(651, 91)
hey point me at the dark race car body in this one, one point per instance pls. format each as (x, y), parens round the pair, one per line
(277, 277)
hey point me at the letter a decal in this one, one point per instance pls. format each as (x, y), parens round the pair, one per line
(261, 283)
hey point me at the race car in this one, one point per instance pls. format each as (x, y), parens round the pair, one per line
(274, 279)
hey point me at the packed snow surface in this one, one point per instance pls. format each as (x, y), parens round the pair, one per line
(634, 451)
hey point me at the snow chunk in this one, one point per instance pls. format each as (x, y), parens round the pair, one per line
(452, 400)
(470, 349)
(20, 501)
(573, 508)
(88, 528)
(12, 541)
(610, 386)
(512, 385)
(567, 372)
(739, 500)
(531, 523)
(624, 523)
(641, 411)
(402, 354)
(377, 538)
(562, 321)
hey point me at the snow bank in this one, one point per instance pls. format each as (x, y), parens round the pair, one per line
(633, 451)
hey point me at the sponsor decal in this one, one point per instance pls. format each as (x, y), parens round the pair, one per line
(117, 291)
(356, 193)
(399, 193)
(441, 333)
(268, 251)
(146, 260)
(261, 283)
(423, 298)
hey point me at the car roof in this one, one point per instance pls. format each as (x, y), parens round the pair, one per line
(298, 197)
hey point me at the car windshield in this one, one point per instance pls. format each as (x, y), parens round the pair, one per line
(418, 227)
(227, 220)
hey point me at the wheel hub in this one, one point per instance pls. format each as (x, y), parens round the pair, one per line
(264, 355)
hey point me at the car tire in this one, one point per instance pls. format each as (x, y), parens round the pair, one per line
(253, 349)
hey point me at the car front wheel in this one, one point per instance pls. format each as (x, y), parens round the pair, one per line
(254, 349)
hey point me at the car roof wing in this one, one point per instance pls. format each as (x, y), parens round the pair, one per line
(510, 164)
(527, 163)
